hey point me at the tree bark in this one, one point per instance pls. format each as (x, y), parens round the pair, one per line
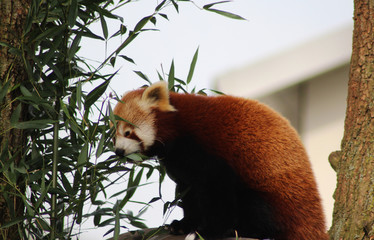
(353, 216)
(12, 20)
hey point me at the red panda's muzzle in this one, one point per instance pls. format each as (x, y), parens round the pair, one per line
(120, 152)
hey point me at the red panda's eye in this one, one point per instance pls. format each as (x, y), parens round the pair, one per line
(127, 133)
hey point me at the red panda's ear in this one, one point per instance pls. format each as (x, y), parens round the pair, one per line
(157, 95)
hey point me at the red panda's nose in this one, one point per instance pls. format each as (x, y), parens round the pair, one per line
(120, 152)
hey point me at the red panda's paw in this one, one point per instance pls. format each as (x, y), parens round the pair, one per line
(179, 227)
(191, 236)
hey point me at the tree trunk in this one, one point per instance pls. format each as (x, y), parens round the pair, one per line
(12, 20)
(353, 216)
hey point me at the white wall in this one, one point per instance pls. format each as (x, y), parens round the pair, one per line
(322, 127)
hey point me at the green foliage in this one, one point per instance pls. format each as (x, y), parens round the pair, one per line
(208, 7)
(67, 162)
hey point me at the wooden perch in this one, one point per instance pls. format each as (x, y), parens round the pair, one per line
(160, 234)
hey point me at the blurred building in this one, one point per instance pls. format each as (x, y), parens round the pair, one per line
(308, 85)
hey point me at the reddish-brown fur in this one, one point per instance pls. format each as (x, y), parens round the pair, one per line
(260, 146)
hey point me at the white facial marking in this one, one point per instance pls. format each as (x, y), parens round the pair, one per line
(124, 143)
(125, 138)
(127, 144)
(146, 133)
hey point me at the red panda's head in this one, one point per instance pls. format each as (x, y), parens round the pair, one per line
(138, 132)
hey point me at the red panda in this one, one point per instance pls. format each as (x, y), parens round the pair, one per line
(239, 165)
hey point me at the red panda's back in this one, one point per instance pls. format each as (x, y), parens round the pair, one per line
(263, 148)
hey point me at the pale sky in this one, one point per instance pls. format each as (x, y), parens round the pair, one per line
(272, 26)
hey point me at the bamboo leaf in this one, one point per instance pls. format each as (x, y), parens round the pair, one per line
(80, 204)
(97, 92)
(166, 207)
(192, 66)
(34, 124)
(164, 16)
(142, 75)
(153, 20)
(226, 14)
(139, 26)
(171, 76)
(13, 222)
(175, 5)
(207, 6)
(79, 94)
(223, 13)
(7, 45)
(109, 14)
(200, 237)
(127, 58)
(56, 71)
(74, 47)
(97, 218)
(73, 12)
(4, 90)
(128, 40)
(112, 61)
(216, 92)
(100, 147)
(133, 188)
(159, 6)
(65, 109)
(135, 157)
(43, 192)
(104, 26)
(112, 117)
(138, 224)
(49, 33)
(160, 77)
(82, 158)
(43, 224)
(25, 91)
(15, 115)
(106, 223)
(132, 185)
(122, 30)
(66, 184)
(88, 33)
(117, 222)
